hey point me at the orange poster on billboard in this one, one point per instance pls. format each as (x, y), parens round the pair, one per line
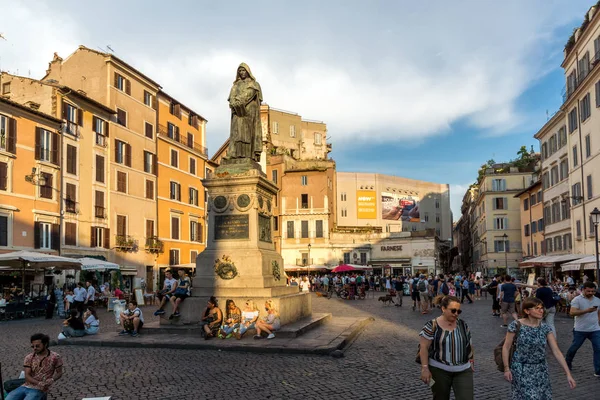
(366, 202)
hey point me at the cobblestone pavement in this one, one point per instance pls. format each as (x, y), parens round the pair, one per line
(379, 364)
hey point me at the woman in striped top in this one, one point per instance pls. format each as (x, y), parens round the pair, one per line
(446, 353)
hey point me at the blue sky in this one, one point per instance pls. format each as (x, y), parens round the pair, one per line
(426, 90)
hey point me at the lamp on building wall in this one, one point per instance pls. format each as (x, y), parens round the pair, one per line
(595, 215)
(505, 237)
(35, 178)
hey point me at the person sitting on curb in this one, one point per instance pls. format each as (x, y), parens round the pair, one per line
(213, 319)
(181, 293)
(166, 293)
(133, 320)
(232, 320)
(91, 321)
(249, 318)
(73, 326)
(270, 324)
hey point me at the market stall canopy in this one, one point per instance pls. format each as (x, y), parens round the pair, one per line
(93, 264)
(549, 260)
(344, 268)
(587, 262)
(32, 260)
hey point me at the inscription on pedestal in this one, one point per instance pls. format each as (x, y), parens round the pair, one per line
(264, 228)
(231, 227)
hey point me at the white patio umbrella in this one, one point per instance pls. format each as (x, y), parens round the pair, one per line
(93, 264)
(20, 260)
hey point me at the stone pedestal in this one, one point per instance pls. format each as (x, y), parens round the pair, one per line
(240, 261)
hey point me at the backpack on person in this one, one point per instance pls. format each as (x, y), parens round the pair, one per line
(445, 289)
(498, 350)
(415, 285)
(422, 286)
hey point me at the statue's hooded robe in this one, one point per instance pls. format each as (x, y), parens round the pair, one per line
(246, 132)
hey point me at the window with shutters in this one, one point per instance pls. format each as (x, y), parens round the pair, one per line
(99, 209)
(564, 169)
(275, 223)
(121, 225)
(71, 159)
(346, 258)
(588, 146)
(45, 145)
(175, 109)
(575, 156)
(318, 138)
(195, 231)
(276, 127)
(590, 187)
(72, 115)
(500, 203)
(274, 176)
(149, 130)
(3, 176)
(292, 130)
(45, 235)
(121, 117)
(344, 212)
(304, 180)
(121, 182)
(175, 191)
(99, 237)
(3, 230)
(597, 87)
(554, 175)
(576, 193)
(119, 82)
(174, 257)
(499, 185)
(190, 140)
(533, 226)
(120, 150)
(149, 189)
(290, 229)
(343, 196)
(192, 166)
(148, 162)
(70, 234)
(501, 223)
(6, 88)
(147, 98)
(578, 228)
(174, 158)
(526, 230)
(526, 204)
(573, 120)
(193, 256)
(174, 227)
(193, 196)
(46, 186)
(71, 198)
(319, 228)
(100, 127)
(173, 131)
(3, 132)
(586, 110)
(500, 246)
(99, 169)
(304, 200)
(304, 229)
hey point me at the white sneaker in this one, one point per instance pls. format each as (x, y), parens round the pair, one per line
(271, 336)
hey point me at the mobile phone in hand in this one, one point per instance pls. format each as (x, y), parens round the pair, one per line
(431, 382)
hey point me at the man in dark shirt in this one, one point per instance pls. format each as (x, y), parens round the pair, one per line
(545, 294)
(507, 296)
(493, 290)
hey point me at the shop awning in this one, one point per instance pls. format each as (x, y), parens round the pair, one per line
(549, 261)
(587, 262)
(94, 264)
(128, 270)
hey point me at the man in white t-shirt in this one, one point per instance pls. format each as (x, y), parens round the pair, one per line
(165, 294)
(79, 296)
(133, 320)
(570, 280)
(585, 309)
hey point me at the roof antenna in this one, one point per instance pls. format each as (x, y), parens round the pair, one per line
(110, 48)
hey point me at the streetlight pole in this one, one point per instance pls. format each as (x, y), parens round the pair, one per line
(505, 237)
(595, 214)
(308, 261)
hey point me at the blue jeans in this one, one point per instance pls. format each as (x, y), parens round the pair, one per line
(243, 328)
(92, 330)
(578, 339)
(229, 328)
(25, 393)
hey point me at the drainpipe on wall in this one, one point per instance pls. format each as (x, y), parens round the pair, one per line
(60, 196)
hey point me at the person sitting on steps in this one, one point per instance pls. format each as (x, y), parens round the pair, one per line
(213, 319)
(133, 320)
(166, 293)
(181, 292)
(249, 318)
(232, 320)
(270, 324)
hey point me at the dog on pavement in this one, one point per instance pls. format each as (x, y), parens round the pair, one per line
(386, 299)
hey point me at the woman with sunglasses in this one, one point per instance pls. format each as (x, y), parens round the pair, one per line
(446, 353)
(528, 369)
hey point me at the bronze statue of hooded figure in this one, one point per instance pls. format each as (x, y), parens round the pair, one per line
(245, 140)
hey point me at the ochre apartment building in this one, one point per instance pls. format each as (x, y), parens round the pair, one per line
(83, 151)
(181, 196)
(29, 178)
(131, 182)
(532, 214)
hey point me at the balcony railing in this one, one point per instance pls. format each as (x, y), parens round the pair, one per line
(154, 245)
(125, 243)
(99, 212)
(572, 86)
(304, 262)
(71, 206)
(177, 137)
(71, 128)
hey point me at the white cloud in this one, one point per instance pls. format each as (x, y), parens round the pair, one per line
(378, 70)
(457, 192)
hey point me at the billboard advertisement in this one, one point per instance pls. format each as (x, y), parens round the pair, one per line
(366, 204)
(399, 207)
